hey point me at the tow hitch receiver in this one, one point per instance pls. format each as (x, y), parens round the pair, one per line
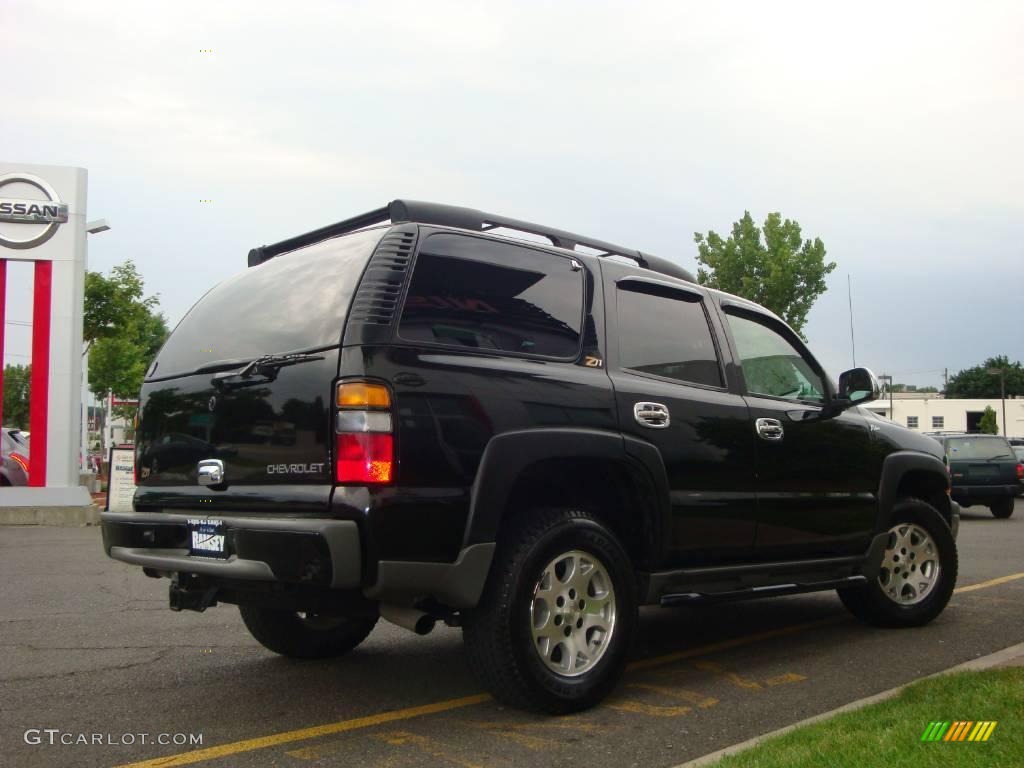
(186, 594)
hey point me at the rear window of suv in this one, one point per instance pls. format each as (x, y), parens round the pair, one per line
(483, 295)
(978, 448)
(296, 301)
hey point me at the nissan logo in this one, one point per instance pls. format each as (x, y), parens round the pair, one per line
(32, 210)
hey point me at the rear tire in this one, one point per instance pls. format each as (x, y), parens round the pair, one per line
(1003, 508)
(556, 618)
(306, 636)
(902, 595)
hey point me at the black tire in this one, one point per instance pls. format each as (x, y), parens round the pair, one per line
(870, 602)
(308, 636)
(1003, 508)
(498, 633)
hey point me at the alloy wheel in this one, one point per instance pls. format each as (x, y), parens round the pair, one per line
(910, 565)
(572, 614)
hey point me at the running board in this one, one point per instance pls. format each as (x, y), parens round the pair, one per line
(770, 590)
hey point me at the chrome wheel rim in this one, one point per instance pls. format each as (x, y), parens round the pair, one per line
(910, 565)
(572, 613)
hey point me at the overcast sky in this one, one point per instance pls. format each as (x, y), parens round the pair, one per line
(893, 131)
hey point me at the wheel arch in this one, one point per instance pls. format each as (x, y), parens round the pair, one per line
(909, 473)
(619, 479)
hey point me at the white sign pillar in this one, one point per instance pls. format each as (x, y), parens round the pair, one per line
(42, 220)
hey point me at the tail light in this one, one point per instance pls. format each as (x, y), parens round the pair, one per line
(364, 434)
(22, 461)
(1020, 471)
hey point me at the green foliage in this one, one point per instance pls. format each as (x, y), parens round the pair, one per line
(784, 272)
(976, 382)
(16, 395)
(989, 425)
(123, 329)
(115, 302)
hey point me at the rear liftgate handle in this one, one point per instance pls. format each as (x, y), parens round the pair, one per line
(769, 429)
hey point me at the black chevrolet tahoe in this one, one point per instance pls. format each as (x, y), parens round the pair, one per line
(429, 413)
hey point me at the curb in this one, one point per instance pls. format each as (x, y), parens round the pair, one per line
(51, 516)
(996, 659)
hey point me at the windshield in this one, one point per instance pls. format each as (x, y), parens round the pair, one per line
(296, 301)
(978, 448)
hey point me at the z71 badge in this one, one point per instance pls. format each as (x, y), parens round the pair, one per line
(295, 469)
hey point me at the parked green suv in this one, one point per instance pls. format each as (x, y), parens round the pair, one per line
(984, 470)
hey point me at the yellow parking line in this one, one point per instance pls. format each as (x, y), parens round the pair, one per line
(989, 583)
(302, 734)
(735, 642)
(248, 745)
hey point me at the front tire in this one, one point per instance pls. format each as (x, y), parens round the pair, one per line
(1002, 508)
(918, 571)
(306, 635)
(556, 619)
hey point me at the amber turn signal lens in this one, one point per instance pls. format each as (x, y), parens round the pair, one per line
(361, 394)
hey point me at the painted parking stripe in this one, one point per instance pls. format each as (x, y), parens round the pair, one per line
(989, 583)
(262, 742)
(302, 734)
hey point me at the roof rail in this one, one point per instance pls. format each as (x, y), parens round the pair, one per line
(464, 218)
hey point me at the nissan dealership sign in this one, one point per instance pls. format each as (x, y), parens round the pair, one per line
(42, 224)
(30, 210)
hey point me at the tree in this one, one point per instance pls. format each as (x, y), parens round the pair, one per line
(122, 329)
(114, 303)
(16, 395)
(784, 272)
(978, 383)
(988, 424)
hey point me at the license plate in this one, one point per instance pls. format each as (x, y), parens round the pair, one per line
(983, 471)
(207, 538)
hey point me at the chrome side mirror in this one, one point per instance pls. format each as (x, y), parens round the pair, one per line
(856, 386)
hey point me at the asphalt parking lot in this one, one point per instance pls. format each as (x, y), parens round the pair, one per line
(89, 647)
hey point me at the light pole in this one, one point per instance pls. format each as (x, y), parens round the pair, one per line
(93, 228)
(1001, 372)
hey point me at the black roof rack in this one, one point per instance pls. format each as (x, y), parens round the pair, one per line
(463, 218)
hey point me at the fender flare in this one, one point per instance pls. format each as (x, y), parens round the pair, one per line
(509, 454)
(895, 466)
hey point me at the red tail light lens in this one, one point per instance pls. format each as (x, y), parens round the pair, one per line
(22, 461)
(1020, 471)
(364, 457)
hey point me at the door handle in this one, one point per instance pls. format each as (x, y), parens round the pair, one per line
(651, 415)
(769, 429)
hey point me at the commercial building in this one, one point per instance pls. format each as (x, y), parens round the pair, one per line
(931, 412)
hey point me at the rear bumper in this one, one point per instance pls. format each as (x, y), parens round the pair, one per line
(978, 494)
(296, 550)
(302, 551)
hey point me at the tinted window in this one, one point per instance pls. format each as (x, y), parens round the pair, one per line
(772, 365)
(480, 294)
(667, 335)
(978, 448)
(294, 301)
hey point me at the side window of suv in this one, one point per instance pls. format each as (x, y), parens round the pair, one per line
(480, 294)
(666, 333)
(772, 365)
